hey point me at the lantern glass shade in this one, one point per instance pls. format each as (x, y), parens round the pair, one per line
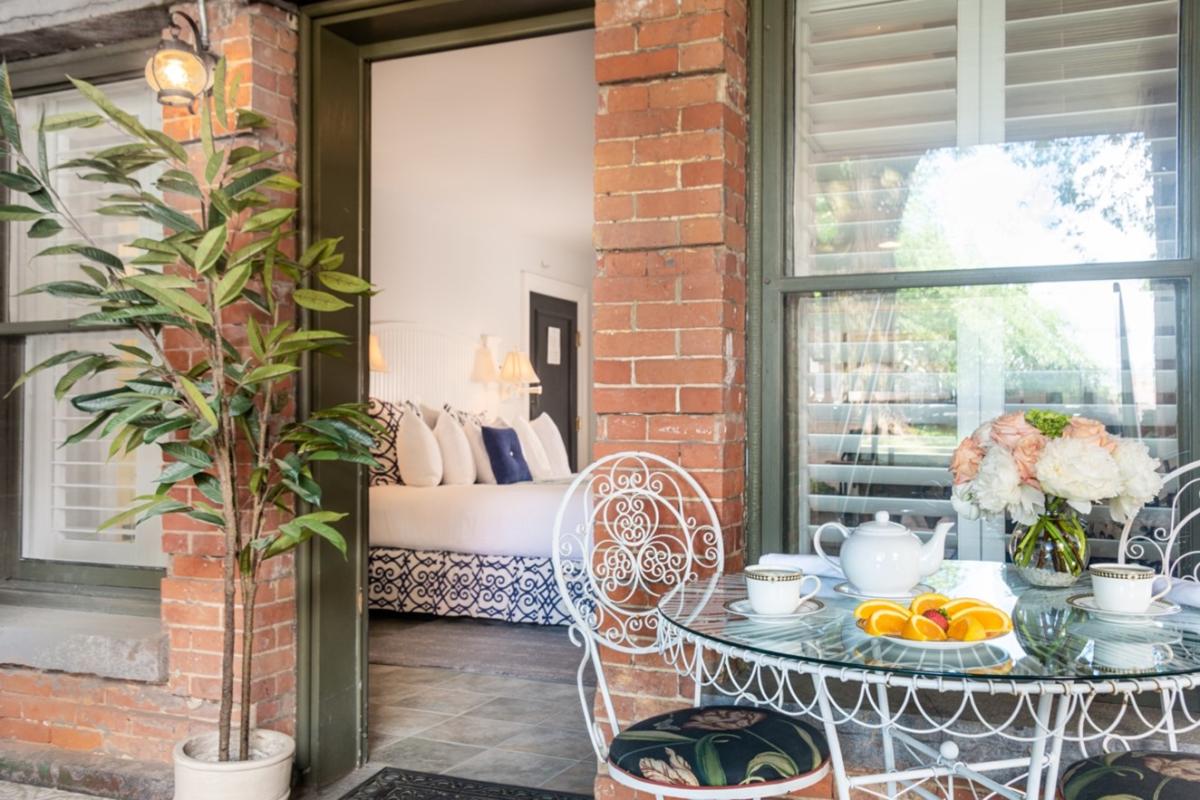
(484, 368)
(178, 73)
(375, 355)
(517, 369)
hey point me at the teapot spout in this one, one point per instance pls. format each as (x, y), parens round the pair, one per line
(934, 550)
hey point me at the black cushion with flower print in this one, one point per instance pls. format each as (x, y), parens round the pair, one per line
(719, 746)
(1136, 775)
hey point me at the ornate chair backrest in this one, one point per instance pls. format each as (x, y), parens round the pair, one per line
(1161, 544)
(647, 528)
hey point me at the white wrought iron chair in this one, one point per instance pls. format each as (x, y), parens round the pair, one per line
(1148, 774)
(639, 542)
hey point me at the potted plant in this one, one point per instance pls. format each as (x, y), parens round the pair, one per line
(216, 418)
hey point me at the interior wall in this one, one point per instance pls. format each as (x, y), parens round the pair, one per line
(481, 170)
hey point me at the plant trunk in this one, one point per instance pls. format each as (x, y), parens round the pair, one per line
(249, 592)
(229, 570)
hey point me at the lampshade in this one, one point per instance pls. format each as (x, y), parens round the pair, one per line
(375, 355)
(484, 368)
(517, 369)
(180, 72)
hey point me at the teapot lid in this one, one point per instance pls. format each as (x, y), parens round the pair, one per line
(883, 524)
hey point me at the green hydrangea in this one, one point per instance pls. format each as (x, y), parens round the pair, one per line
(1050, 423)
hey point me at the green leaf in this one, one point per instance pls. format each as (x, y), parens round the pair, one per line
(708, 761)
(268, 372)
(177, 471)
(74, 119)
(65, 289)
(248, 181)
(206, 133)
(250, 119)
(10, 213)
(170, 426)
(254, 336)
(210, 248)
(319, 301)
(209, 486)
(83, 368)
(128, 415)
(90, 253)
(783, 765)
(8, 110)
(169, 145)
(229, 288)
(181, 451)
(214, 165)
(253, 249)
(344, 283)
(124, 120)
(19, 182)
(200, 401)
(271, 218)
(218, 92)
(108, 400)
(172, 298)
(44, 228)
(85, 431)
(52, 361)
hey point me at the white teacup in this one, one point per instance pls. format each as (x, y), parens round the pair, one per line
(777, 590)
(1124, 588)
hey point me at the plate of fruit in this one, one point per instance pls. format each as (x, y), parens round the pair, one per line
(933, 621)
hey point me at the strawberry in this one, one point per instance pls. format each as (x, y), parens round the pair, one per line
(939, 616)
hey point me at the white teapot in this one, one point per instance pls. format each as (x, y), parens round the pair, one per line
(882, 557)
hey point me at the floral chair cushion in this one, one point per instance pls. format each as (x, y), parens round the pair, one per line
(718, 746)
(1132, 776)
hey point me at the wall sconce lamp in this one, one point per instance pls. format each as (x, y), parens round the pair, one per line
(483, 370)
(517, 374)
(180, 72)
(375, 359)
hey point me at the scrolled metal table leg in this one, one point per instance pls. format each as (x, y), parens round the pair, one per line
(841, 783)
(1062, 715)
(1038, 749)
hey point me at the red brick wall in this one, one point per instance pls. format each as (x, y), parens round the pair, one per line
(143, 721)
(670, 285)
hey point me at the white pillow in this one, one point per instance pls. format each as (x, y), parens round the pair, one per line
(531, 447)
(458, 465)
(430, 415)
(553, 445)
(483, 464)
(417, 453)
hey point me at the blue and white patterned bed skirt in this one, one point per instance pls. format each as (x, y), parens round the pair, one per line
(508, 588)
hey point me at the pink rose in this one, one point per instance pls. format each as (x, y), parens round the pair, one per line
(1026, 454)
(1089, 430)
(1010, 429)
(964, 464)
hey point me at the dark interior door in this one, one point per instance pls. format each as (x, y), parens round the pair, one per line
(553, 335)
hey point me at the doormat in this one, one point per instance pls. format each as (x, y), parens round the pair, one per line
(391, 783)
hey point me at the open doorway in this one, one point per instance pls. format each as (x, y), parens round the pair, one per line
(480, 242)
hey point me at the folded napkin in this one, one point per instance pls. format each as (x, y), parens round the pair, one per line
(1185, 593)
(808, 564)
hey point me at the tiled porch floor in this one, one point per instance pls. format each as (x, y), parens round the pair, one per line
(485, 727)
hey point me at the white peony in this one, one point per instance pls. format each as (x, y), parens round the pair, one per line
(1078, 471)
(963, 501)
(998, 488)
(983, 435)
(1140, 479)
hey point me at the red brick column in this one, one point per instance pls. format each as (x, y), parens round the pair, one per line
(670, 287)
(143, 721)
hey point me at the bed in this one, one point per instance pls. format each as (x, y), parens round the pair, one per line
(467, 551)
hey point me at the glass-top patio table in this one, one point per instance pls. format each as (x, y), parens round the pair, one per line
(1038, 687)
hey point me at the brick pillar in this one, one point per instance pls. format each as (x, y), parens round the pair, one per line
(670, 287)
(259, 42)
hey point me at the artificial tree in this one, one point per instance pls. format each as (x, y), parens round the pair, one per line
(217, 419)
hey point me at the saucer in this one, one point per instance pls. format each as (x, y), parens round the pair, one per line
(743, 609)
(850, 590)
(1087, 602)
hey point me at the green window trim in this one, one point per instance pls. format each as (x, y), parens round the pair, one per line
(771, 282)
(30, 580)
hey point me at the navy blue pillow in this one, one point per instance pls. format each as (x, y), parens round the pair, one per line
(504, 451)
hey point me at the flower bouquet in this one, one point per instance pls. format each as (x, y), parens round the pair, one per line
(1044, 469)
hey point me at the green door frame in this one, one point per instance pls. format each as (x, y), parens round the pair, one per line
(771, 280)
(339, 40)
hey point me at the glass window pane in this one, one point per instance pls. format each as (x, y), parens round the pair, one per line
(67, 492)
(883, 384)
(82, 197)
(937, 134)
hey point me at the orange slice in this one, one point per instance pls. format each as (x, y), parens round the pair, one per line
(886, 622)
(993, 620)
(924, 602)
(869, 607)
(960, 604)
(967, 629)
(920, 629)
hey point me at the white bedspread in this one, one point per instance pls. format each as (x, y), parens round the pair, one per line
(485, 519)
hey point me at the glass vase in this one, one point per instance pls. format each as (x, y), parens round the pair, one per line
(1053, 551)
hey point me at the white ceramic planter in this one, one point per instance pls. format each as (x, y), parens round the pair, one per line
(266, 776)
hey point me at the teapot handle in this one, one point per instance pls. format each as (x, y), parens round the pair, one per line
(840, 528)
